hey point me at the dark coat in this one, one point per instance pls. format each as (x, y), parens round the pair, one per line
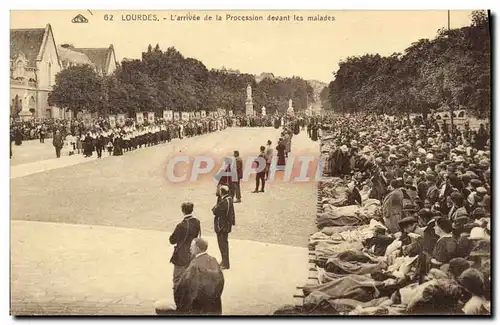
(184, 233)
(200, 288)
(58, 141)
(100, 142)
(224, 217)
(239, 167)
(339, 164)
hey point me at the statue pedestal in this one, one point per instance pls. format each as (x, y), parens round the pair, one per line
(25, 115)
(249, 108)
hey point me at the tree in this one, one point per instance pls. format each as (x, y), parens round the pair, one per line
(78, 88)
(452, 70)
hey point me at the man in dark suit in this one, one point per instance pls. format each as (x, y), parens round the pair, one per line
(183, 235)
(260, 178)
(99, 145)
(58, 143)
(236, 183)
(200, 287)
(224, 219)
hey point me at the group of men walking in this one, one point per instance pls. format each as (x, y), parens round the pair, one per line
(198, 280)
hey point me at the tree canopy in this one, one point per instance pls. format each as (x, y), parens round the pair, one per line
(167, 80)
(78, 88)
(452, 70)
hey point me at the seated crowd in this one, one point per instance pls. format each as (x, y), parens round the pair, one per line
(404, 219)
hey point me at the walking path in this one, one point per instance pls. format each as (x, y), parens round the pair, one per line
(94, 270)
(84, 247)
(33, 148)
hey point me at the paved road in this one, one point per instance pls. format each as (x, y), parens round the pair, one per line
(65, 244)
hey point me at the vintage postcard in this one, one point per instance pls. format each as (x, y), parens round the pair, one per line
(182, 163)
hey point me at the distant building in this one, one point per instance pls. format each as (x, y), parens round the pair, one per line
(34, 62)
(103, 59)
(267, 75)
(228, 71)
(70, 58)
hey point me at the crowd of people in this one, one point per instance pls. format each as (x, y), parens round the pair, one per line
(404, 219)
(76, 137)
(198, 280)
(404, 222)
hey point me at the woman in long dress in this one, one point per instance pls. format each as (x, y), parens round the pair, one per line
(117, 146)
(281, 150)
(314, 135)
(88, 146)
(18, 137)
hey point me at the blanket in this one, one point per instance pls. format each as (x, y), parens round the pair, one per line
(357, 287)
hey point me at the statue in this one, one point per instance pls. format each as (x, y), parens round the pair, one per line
(290, 107)
(249, 102)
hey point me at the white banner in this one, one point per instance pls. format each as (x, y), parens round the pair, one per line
(139, 117)
(185, 116)
(151, 117)
(203, 114)
(168, 115)
(87, 119)
(112, 121)
(120, 119)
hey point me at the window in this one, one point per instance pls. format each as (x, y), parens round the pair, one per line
(49, 72)
(19, 69)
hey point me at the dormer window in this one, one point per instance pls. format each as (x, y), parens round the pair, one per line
(19, 69)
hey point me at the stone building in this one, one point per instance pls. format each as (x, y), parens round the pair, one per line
(35, 59)
(103, 59)
(34, 63)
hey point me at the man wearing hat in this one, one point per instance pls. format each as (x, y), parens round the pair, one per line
(392, 207)
(411, 241)
(474, 283)
(456, 267)
(432, 191)
(200, 288)
(478, 198)
(224, 219)
(183, 235)
(446, 245)
(458, 206)
(410, 188)
(480, 256)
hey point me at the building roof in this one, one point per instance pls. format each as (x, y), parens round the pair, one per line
(27, 41)
(70, 55)
(99, 56)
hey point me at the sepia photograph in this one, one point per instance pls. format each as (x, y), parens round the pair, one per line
(250, 163)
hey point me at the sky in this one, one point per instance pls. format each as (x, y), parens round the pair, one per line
(311, 50)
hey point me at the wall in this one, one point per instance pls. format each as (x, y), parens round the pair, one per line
(112, 63)
(46, 80)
